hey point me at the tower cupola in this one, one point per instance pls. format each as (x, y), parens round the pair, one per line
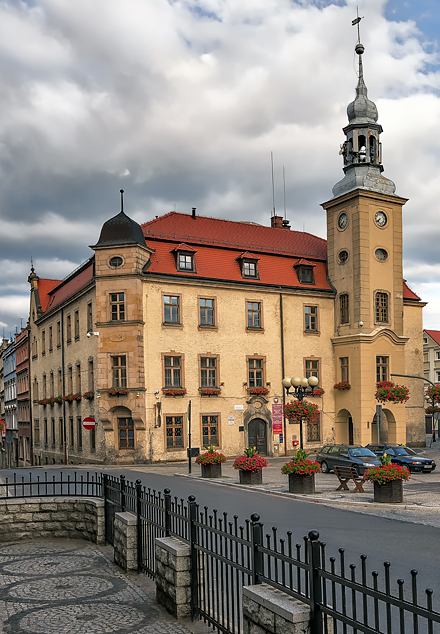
(362, 149)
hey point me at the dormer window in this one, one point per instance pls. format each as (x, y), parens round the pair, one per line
(185, 260)
(304, 271)
(248, 265)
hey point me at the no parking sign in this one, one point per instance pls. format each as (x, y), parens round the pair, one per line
(89, 423)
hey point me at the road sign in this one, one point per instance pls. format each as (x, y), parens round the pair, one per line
(89, 423)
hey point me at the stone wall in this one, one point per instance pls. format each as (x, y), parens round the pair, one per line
(268, 610)
(34, 518)
(125, 541)
(173, 576)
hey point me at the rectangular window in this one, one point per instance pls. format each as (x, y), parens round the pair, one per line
(382, 369)
(45, 431)
(50, 339)
(61, 427)
(255, 373)
(306, 275)
(249, 269)
(343, 304)
(253, 314)
(90, 379)
(78, 378)
(72, 438)
(117, 306)
(344, 369)
(312, 368)
(126, 433)
(79, 429)
(35, 390)
(60, 383)
(438, 355)
(438, 377)
(185, 262)
(313, 431)
(76, 317)
(210, 429)
(311, 318)
(174, 432)
(36, 431)
(93, 439)
(43, 342)
(69, 329)
(89, 317)
(52, 386)
(173, 371)
(44, 386)
(58, 334)
(52, 424)
(207, 311)
(119, 371)
(208, 372)
(381, 306)
(69, 380)
(171, 309)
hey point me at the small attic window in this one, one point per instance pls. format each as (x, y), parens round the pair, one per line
(248, 265)
(185, 261)
(304, 271)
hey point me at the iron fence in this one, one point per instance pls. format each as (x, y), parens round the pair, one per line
(226, 555)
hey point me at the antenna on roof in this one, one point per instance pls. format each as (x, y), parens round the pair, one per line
(21, 323)
(121, 191)
(284, 183)
(273, 186)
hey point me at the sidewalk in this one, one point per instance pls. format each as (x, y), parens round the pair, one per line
(71, 587)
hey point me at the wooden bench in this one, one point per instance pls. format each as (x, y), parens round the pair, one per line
(347, 474)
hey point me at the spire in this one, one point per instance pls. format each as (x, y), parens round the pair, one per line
(362, 150)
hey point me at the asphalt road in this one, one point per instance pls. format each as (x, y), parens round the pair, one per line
(406, 545)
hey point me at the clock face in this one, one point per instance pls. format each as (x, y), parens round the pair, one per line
(380, 218)
(342, 221)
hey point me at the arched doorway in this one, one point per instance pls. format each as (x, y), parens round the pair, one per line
(257, 435)
(344, 428)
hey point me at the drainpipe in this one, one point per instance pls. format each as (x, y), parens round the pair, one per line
(282, 370)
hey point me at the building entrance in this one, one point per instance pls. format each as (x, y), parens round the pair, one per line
(257, 435)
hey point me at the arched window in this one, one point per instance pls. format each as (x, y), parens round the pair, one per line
(362, 149)
(373, 149)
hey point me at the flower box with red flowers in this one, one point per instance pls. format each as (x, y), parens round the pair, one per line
(250, 462)
(177, 391)
(388, 392)
(258, 391)
(58, 399)
(209, 391)
(316, 392)
(89, 395)
(44, 402)
(433, 393)
(342, 385)
(302, 410)
(117, 391)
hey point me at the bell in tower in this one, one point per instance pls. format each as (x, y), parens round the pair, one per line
(362, 149)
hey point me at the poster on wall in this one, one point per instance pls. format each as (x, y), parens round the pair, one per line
(277, 418)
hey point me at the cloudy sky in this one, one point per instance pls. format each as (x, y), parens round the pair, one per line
(181, 102)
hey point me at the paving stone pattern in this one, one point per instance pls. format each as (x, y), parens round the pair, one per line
(70, 587)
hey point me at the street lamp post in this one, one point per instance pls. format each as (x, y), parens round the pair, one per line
(297, 388)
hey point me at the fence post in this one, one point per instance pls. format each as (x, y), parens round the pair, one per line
(167, 496)
(192, 533)
(139, 523)
(256, 556)
(315, 583)
(122, 491)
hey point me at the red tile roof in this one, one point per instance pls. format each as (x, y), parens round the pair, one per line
(54, 292)
(408, 293)
(434, 334)
(44, 288)
(219, 263)
(241, 235)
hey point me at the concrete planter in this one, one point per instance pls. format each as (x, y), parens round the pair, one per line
(389, 493)
(212, 470)
(250, 477)
(301, 483)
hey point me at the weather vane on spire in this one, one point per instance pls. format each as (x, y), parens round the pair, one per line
(357, 21)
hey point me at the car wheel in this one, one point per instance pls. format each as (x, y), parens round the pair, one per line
(324, 467)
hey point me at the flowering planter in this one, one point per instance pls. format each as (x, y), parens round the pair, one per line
(251, 477)
(389, 493)
(301, 483)
(212, 470)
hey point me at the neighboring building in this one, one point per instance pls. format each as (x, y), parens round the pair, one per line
(3, 345)
(188, 308)
(11, 432)
(23, 399)
(431, 368)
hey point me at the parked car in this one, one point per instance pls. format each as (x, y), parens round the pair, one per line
(360, 458)
(405, 457)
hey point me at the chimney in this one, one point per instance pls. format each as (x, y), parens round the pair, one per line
(193, 213)
(276, 222)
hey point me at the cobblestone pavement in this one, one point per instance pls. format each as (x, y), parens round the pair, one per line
(70, 587)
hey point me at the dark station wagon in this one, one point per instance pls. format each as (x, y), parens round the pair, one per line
(405, 457)
(360, 458)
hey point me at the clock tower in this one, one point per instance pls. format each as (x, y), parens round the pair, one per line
(364, 235)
